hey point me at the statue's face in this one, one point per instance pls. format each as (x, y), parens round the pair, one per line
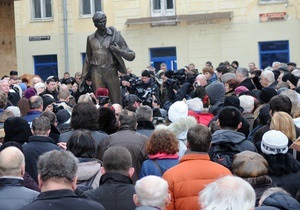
(100, 22)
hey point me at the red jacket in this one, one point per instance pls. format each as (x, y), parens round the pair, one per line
(202, 118)
(189, 177)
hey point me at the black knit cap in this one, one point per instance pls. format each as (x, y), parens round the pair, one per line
(16, 129)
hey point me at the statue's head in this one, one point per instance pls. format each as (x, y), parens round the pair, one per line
(99, 20)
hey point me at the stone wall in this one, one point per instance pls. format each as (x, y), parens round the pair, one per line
(8, 60)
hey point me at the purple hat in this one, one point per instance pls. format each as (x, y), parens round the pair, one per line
(30, 92)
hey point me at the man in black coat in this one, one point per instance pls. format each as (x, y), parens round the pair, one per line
(116, 189)
(57, 180)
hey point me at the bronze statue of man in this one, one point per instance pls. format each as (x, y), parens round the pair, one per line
(104, 52)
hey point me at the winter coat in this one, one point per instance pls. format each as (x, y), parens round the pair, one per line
(248, 84)
(281, 201)
(88, 172)
(115, 192)
(14, 195)
(202, 117)
(260, 184)
(180, 129)
(145, 127)
(234, 137)
(61, 200)
(189, 177)
(157, 167)
(131, 140)
(289, 182)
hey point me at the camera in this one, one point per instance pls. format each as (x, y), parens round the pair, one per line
(56, 108)
(103, 100)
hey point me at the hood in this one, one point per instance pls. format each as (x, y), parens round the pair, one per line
(180, 127)
(297, 121)
(215, 92)
(282, 201)
(228, 136)
(88, 169)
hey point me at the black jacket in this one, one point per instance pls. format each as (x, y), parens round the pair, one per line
(115, 192)
(14, 195)
(61, 200)
(36, 146)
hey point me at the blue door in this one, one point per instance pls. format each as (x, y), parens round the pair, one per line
(273, 51)
(45, 66)
(165, 55)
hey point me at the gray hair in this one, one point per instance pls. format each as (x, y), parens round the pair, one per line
(269, 192)
(227, 76)
(269, 75)
(117, 159)
(247, 103)
(15, 110)
(229, 192)
(11, 161)
(128, 118)
(35, 102)
(293, 96)
(152, 191)
(41, 125)
(144, 113)
(243, 72)
(296, 72)
(59, 166)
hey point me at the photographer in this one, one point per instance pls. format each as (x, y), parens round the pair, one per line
(187, 87)
(147, 90)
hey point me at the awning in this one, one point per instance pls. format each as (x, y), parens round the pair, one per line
(179, 18)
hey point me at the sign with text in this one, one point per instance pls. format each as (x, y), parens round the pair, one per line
(39, 38)
(274, 16)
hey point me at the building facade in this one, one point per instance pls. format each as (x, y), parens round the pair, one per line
(51, 34)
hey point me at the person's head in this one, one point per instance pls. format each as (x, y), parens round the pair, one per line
(249, 164)
(118, 109)
(267, 78)
(163, 66)
(293, 96)
(12, 162)
(84, 116)
(41, 126)
(235, 64)
(199, 138)
(283, 122)
(152, 191)
(229, 192)
(231, 84)
(280, 103)
(4, 86)
(3, 100)
(16, 129)
(39, 87)
(51, 116)
(241, 73)
(269, 192)
(82, 144)
(117, 159)
(63, 95)
(128, 118)
(144, 113)
(13, 74)
(36, 102)
(275, 65)
(66, 75)
(201, 80)
(57, 170)
(274, 142)
(208, 72)
(247, 103)
(78, 77)
(162, 141)
(48, 101)
(35, 80)
(50, 85)
(15, 110)
(146, 76)
(252, 66)
(107, 120)
(99, 20)
(230, 118)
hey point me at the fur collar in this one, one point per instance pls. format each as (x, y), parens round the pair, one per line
(180, 126)
(259, 181)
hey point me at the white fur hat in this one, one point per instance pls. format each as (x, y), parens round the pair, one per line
(177, 111)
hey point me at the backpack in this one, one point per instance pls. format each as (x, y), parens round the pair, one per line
(224, 153)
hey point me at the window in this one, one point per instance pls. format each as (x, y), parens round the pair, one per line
(42, 9)
(89, 7)
(45, 66)
(162, 8)
(273, 51)
(272, 1)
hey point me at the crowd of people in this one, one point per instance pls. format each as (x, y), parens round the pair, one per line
(215, 138)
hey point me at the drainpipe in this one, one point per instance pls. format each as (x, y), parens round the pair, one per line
(66, 40)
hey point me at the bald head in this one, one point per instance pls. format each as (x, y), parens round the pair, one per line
(201, 80)
(12, 162)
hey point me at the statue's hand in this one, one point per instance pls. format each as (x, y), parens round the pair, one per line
(115, 48)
